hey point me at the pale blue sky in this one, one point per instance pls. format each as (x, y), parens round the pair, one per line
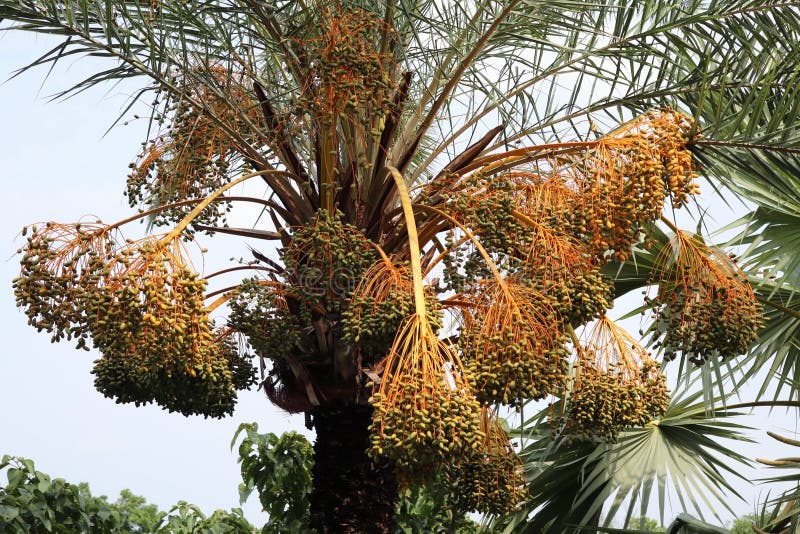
(56, 165)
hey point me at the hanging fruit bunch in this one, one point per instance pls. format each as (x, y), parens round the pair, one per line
(549, 260)
(486, 206)
(493, 480)
(616, 385)
(575, 211)
(560, 267)
(150, 323)
(705, 308)
(59, 263)
(258, 309)
(625, 178)
(351, 72)
(324, 261)
(546, 197)
(142, 306)
(196, 154)
(382, 301)
(513, 344)
(425, 413)
(210, 392)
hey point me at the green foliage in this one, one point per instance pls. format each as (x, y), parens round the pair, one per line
(279, 469)
(782, 513)
(432, 507)
(142, 517)
(185, 518)
(647, 524)
(744, 524)
(636, 468)
(34, 502)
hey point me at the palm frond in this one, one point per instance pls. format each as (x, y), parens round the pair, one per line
(604, 61)
(777, 351)
(680, 454)
(782, 513)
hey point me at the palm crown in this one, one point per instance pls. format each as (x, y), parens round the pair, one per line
(454, 190)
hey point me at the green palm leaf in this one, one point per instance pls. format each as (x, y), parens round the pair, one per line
(782, 513)
(681, 454)
(777, 350)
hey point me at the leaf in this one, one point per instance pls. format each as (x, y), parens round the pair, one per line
(680, 455)
(8, 513)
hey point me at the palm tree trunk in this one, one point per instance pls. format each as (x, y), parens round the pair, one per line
(350, 493)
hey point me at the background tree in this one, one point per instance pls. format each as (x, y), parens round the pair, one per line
(744, 524)
(278, 468)
(145, 517)
(32, 501)
(447, 215)
(651, 525)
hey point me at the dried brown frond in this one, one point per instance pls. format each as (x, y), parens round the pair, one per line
(288, 395)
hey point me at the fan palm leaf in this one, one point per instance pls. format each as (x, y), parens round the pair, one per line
(680, 455)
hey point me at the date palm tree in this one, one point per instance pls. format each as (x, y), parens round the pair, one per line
(453, 190)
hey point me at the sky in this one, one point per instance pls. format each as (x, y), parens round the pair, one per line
(57, 164)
